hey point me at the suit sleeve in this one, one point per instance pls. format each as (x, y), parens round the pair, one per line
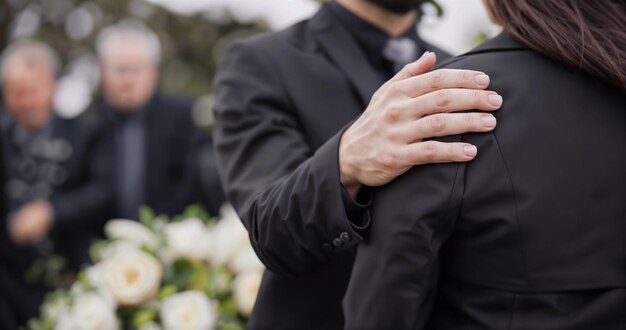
(288, 195)
(394, 279)
(80, 205)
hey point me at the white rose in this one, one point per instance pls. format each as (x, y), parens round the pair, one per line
(90, 312)
(230, 236)
(95, 276)
(77, 288)
(245, 290)
(227, 211)
(189, 238)
(132, 277)
(65, 321)
(117, 247)
(131, 231)
(245, 260)
(190, 310)
(54, 310)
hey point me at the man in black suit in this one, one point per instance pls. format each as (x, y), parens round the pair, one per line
(297, 170)
(56, 179)
(158, 147)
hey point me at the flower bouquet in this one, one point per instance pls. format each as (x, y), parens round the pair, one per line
(189, 272)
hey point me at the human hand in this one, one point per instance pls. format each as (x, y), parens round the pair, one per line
(387, 139)
(32, 222)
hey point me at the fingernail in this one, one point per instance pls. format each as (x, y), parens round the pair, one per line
(423, 55)
(470, 151)
(482, 79)
(488, 121)
(495, 100)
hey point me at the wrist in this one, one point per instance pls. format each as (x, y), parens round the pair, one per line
(347, 173)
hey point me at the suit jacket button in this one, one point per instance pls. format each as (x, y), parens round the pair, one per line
(345, 237)
(326, 247)
(338, 242)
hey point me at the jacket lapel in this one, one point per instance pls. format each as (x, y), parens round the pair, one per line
(343, 50)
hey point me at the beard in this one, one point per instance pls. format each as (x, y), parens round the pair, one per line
(398, 6)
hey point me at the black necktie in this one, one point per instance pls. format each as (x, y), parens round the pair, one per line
(131, 166)
(400, 52)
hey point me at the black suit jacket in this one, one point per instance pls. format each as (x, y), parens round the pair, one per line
(80, 203)
(282, 101)
(174, 146)
(529, 235)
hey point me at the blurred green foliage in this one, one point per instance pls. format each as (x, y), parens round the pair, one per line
(191, 44)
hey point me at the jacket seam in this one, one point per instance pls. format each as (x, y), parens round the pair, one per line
(517, 218)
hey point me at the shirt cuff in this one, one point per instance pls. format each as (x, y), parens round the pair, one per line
(357, 210)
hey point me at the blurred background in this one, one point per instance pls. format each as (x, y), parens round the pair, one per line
(123, 130)
(193, 34)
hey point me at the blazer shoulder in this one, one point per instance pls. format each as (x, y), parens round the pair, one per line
(273, 44)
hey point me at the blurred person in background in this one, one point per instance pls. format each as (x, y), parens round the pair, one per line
(157, 146)
(56, 180)
(308, 119)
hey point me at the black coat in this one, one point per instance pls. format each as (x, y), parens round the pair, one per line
(529, 235)
(80, 199)
(282, 100)
(175, 151)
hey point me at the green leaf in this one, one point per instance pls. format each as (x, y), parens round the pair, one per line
(146, 216)
(231, 325)
(36, 271)
(167, 291)
(37, 324)
(84, 279)
(480, 39)
(187, 274)
(149, 251)
(95, 250)
(197, 211)
(144, 316)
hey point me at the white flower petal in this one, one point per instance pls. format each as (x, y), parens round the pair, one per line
(191, 310)
(131, 231)
(132, 278)
(245, 291)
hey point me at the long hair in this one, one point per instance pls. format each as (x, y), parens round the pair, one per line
(588, 35)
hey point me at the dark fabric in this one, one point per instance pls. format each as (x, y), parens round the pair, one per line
(529, 235)
(79, 197)
(28, 163)
(174, 150)
(282, 102)
(373, 40)
(130, 145)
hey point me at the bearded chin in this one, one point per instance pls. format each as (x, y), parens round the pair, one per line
(397, 6)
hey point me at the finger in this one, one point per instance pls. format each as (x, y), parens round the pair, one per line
(454, 100)
(421, 66)
(438, 152)
(446, 124)
(443, 79)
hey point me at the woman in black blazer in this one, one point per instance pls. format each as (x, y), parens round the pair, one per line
(532, 233)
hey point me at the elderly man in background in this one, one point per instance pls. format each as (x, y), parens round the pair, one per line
(157, 145)
(56, 179)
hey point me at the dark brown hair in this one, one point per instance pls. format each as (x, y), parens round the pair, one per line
(586, 34)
